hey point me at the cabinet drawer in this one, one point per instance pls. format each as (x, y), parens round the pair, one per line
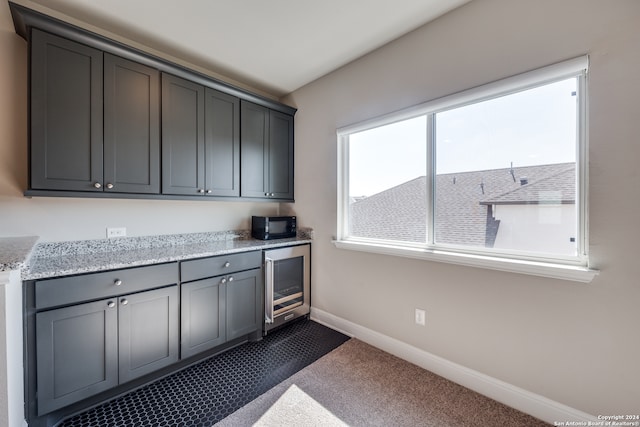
(69, 290)
(215, 266)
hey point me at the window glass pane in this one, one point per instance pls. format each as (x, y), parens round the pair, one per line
(506, 172)
(387, 182)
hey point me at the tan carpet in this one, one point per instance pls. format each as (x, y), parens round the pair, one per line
(359, 385)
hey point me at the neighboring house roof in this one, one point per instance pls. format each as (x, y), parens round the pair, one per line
(399, 213)
(557, 188)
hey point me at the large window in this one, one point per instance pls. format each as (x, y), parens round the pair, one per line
(495, 175)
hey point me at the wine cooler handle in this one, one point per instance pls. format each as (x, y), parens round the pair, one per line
(268, 291)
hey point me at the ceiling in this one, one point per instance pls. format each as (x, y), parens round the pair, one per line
(276, 46)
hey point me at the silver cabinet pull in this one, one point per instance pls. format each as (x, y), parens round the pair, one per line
(201, 190)
(117, 282)
(209, 191)
(124, 301)
(109, 186)
(97, 185)
(227, 264)
(223, 280)
(231, 278)
(111, 304)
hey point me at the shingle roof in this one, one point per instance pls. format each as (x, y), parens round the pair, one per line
(557, 188)
(399, 213)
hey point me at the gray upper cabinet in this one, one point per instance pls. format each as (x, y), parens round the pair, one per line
(107, 120)
(66, 114)
(266, 152)
(182, 136)
(131, 126)
(95, 120)
(222, 144)
(201, 140)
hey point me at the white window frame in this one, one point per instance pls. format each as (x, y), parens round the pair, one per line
(568, 268)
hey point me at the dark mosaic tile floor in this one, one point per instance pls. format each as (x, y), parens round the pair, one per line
(203, 394)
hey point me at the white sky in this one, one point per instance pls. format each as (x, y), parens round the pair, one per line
(533, 127)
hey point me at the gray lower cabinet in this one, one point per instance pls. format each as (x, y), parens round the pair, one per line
(219, 309)
(266, 147)
(77, 353)
(244, 303)
(147, 332)
(85, 348)
(203, 316)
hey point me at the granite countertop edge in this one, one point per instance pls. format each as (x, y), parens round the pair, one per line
(15, 252)
(45, 268)
(47, 260)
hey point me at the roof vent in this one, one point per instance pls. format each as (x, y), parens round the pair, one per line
(524, 180)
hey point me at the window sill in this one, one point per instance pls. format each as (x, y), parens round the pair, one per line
(533, 268)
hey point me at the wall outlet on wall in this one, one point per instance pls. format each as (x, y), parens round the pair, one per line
(420, 317)
(116, 232)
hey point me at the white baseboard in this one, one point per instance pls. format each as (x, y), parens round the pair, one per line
(510, 395)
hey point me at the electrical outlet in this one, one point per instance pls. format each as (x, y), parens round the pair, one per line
(116, 232)
(420, 317)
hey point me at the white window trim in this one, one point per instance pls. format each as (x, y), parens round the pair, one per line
(575, 270)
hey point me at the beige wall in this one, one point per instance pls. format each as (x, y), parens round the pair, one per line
(574, 343)
(56, 219)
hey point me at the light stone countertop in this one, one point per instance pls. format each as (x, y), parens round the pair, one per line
(46, 260)
(15, 252)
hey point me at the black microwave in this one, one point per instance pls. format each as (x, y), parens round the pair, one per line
(273, 227)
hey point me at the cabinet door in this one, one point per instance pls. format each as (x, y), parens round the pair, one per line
(147, 332)
(66, 114)
(254, 146)
(280, 155)
(77, 353)
(222, 144)
(203, 315)
(182, 136)
(244, 303)
(131, 127)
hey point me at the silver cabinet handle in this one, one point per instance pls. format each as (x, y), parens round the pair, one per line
(97, 185)
(209, 191)
(109, 186)
(231, 278)
(117, 282)
(223, 280)
(227, 264)
(201, 190)
(268, 294)
(124, 301)
(111, 304)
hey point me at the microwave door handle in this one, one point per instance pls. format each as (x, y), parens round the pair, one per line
(268, 298)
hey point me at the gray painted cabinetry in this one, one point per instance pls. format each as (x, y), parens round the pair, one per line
(102, 113)
(93, 336)
(94, 120)
(201, 140)
(89, 347)
(223, 307)
(267, 152)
